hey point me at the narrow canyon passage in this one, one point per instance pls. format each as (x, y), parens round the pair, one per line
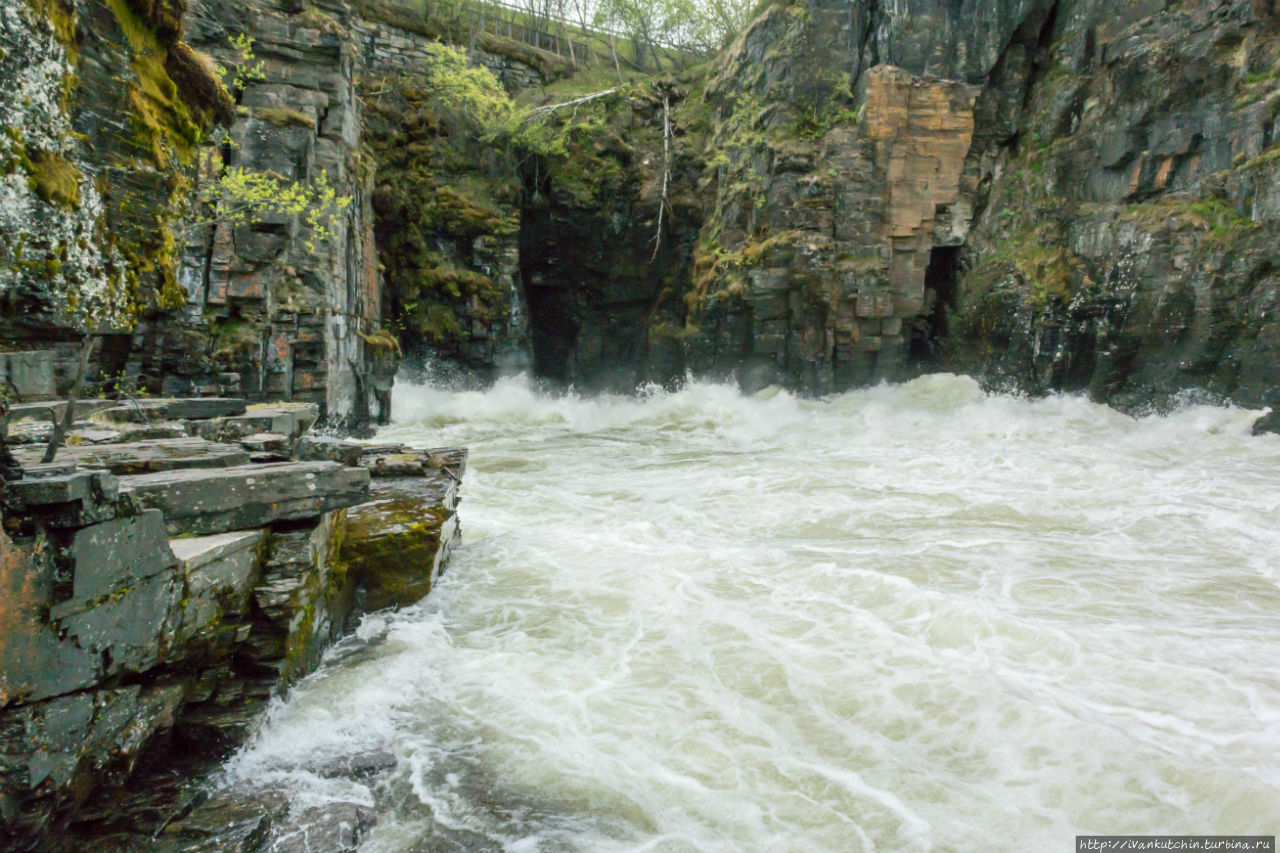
(904, 618)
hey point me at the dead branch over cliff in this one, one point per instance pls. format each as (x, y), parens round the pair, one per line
(550, 108)
(666, 172)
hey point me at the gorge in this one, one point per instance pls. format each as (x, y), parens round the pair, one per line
(264, 226)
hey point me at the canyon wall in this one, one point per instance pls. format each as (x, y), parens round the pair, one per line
(1057, 195)
(111, 146)
(1063, 195)
(1052, 194)
(1125, 237)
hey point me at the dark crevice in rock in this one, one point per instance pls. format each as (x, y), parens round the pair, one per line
(930, 328)
(865, 21)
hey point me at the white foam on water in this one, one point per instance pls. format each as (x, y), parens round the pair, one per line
(913, 617)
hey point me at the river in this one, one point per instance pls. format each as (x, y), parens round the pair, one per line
(905, 618)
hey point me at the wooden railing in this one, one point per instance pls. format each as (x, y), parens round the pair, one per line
(506, 19)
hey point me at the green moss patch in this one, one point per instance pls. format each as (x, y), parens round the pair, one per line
(285, 117)
(1216, 217)
(162, 120)
(1049, 271)
(54, 179)
(197, 77)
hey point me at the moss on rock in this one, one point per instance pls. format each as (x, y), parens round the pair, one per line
(53, 178)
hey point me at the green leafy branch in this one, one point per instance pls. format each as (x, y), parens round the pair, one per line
(242, 196)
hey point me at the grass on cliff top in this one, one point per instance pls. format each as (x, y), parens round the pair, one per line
(285, 117)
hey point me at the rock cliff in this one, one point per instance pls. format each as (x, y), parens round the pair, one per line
(1124, 238)
(157, 593)
(1053, 195)
(120, 123)
(1050, 194)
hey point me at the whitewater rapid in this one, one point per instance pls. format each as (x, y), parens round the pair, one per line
(901, 619)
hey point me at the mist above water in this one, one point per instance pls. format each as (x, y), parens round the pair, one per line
(904, 618)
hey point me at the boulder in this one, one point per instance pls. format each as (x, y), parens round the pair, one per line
(395, 546)
(321, 447)
(335, 827)
(233, 820)
(205, 501)
(1270, 422)
(363, 765)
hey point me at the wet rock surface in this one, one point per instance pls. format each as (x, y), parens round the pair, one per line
(398, 542)
(211, 500)
(1268, 423)
(151, 616)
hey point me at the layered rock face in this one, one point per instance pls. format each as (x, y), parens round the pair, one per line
(1054, 195)
(1050, 193)
(285, 314)
(110, 149)
(841, 184)
(1126, 242)
(153, 603)
(98, 146)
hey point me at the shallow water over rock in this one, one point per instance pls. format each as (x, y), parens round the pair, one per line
(904, 618)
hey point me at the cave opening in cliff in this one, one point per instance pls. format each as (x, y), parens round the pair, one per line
(551, 301)
(930, 327)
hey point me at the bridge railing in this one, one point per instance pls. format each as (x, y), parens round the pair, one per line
(593, 46)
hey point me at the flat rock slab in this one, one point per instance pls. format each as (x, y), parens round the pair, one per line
(126, 433)
(90, 433)
(266, 442)
(195, 552)
(290, 419)
(146, 457)
(62, 500)
(46, 411)
(33, 491)
(192, 408)
(399, 461)
(216, 500)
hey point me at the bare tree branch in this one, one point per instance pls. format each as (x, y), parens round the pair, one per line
(666, 172)
(549, 108)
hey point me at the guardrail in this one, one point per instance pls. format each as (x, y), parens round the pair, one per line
(505, 19)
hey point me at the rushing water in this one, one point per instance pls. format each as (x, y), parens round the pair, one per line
(904, 618)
